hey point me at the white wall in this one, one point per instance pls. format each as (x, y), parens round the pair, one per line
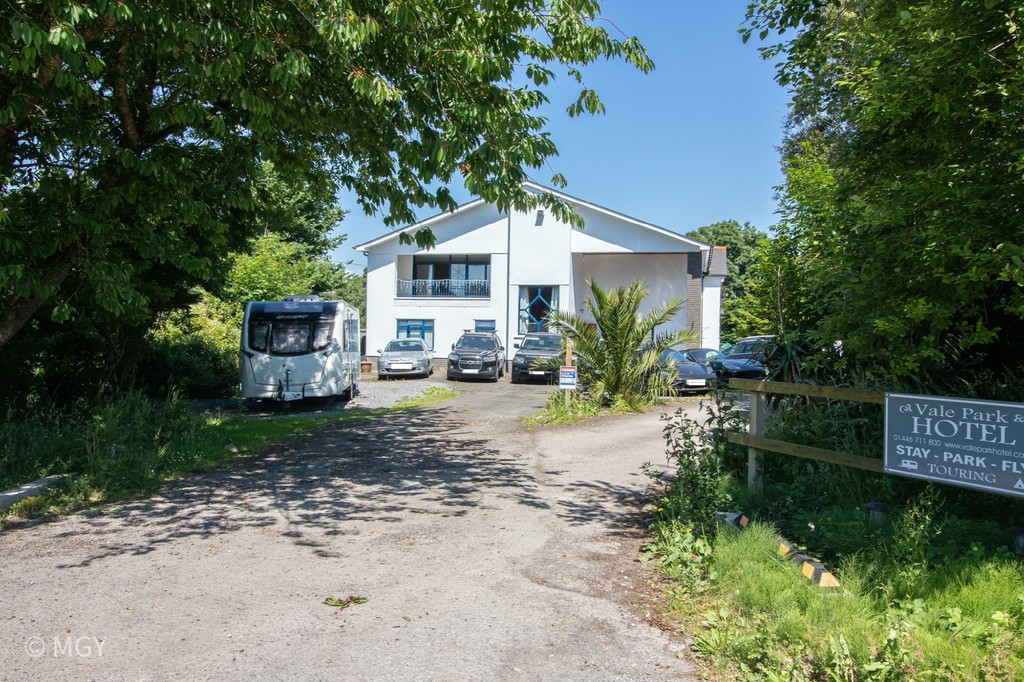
(663, 274)
(603, 233)
(711, 307)
(478, 230)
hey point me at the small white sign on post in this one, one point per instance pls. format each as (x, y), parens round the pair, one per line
(567, 378)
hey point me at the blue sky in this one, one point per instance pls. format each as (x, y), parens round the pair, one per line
(691, 143)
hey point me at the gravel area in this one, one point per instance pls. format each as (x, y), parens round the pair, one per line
(375, 393)
(463, 547)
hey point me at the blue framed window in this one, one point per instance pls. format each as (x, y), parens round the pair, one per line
(535, 303)
(416, 329)
(484, 326)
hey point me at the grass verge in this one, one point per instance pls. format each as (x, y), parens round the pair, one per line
(752, 616)
(130, 445)
(929, 592)
(557, 413)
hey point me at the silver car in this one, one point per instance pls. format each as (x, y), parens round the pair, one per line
(405, 357)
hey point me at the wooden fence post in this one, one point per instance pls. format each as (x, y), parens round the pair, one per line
(755, 457)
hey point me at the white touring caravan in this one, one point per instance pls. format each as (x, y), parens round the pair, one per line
(300, 347)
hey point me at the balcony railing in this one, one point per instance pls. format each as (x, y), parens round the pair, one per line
(444, 288)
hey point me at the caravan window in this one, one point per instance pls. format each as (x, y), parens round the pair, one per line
(322, 337)
(289, 338)
(352, 336)
(292, 332)
(258, 332)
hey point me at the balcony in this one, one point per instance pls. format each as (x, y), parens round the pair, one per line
(443, 288)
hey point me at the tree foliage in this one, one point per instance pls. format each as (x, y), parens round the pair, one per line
(131, 132)
(740, 314)
(618, 354)
(902, 199)
(195, 348)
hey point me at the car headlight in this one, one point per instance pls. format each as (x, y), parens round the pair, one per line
(518, 361)
(453, 357)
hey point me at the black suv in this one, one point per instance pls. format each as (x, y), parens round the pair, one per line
(539, 357)
(476, 355)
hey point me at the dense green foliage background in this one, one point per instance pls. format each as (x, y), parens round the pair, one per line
(742, 313)
(901, 231)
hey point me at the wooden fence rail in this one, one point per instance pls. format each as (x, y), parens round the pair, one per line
(757, 444)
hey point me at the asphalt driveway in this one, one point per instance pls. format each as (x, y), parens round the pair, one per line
(483, 552)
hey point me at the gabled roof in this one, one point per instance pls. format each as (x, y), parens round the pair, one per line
(416, 226)
(535, 187)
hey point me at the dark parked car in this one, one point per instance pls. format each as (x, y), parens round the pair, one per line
(476, 355)
(691, 375)
(539, 357)
(704, 355)
(752, 347)
(743, 360)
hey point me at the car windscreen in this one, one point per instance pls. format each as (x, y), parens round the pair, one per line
(475, 343)
(748, 347)
(673, 356)
(404, 347)
(552, 343)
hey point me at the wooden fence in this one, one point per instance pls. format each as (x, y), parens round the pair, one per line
(758, 444)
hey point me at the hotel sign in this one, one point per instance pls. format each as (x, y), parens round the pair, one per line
(969, 443)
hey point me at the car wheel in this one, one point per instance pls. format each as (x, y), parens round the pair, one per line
(380, 377)
(514, 378)
(449, 377)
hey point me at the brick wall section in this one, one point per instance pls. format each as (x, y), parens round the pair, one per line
(694, 286)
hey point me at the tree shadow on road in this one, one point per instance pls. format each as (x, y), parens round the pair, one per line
(312, 487)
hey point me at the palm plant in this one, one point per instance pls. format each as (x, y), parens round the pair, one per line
(618, 354)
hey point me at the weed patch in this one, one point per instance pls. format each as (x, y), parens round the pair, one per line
(557, 412)
(130, 445)
(931, 591)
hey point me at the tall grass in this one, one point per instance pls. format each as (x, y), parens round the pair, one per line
(128, 443)
(931, 591)
(753, 616)
(123, 442)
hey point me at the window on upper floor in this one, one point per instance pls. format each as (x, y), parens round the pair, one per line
(460, 276)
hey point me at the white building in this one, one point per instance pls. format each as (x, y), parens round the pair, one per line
(505, 270)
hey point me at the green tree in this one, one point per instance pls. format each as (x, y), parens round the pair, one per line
(901, 203)
(195, 348)
(618, 354)
(300, 209)
(740, 316)
(131, 132)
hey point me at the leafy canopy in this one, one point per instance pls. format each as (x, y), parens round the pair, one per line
(903, 163)
(740, 313)
(131, 132)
